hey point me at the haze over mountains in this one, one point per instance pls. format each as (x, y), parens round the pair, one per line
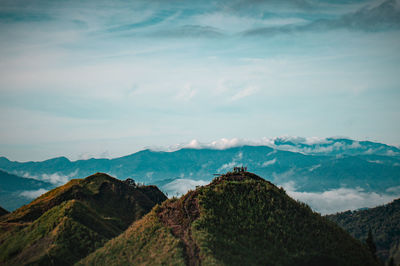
(325, 173)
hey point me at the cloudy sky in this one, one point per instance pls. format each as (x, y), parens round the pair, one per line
(108, 78)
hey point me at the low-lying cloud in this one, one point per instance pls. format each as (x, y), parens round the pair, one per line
(325, 202)
(305, 145)
(341, 199)
(32, 194)
(181, 186)
(54, 178)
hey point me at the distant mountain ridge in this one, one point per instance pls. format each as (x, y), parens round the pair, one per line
(68, 222)
(15, 191)
(311, 165)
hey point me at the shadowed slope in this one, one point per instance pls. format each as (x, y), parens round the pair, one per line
(3, 211)
(238, 219)
(384, 222)
(67, 223)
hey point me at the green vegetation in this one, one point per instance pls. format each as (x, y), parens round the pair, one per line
(239, 219)
(146, 242)
(71, 221)
(384, 223)
(252, 222)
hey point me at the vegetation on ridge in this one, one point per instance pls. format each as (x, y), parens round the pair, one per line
(238, 219)
(384, 223)
(67, 223)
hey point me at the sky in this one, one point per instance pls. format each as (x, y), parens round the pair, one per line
(108, 78)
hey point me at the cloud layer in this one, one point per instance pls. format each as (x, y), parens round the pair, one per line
(181, 186)
(32, 194)
(305, 145)
(342, 199)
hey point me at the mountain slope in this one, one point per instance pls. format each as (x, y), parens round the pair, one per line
(68, 222)
(12, 189)
(384, 222)
(238, 219)
(3, 211)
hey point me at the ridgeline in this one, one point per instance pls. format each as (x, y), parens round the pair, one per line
(384, 223)
(238, 219)
(67, 223)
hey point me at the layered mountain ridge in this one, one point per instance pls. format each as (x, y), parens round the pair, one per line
(68, 222)
(312, 166)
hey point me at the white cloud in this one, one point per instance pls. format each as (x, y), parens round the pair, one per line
(220, 144)
(312, 168)
(375, 161)
(341, 199)
(244, 93)
(268, 163)
(233, 23)
(394, 190)
(186, 93)
(32, 194)
(227, 166)
(230, 165)
(181, 186)
(86, 155)
(54, 178)
(303, 140)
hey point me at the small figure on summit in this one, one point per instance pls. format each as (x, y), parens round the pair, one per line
(239, 169)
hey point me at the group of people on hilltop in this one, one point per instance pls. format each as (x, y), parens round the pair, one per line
(239, 169)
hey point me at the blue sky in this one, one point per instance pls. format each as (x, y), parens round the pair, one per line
(108, 78)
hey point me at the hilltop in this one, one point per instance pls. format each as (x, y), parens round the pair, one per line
(238, 219)
(68, 222)
(384, 222)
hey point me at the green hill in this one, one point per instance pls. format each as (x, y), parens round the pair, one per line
(238, 219)
(67, 223)
(384, 222)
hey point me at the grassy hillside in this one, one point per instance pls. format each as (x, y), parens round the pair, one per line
(239, 219)
(384, 222)
(67, 223)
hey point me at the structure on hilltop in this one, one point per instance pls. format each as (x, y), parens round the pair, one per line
(239, 169)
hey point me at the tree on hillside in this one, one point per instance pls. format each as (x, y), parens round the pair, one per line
(371, 244)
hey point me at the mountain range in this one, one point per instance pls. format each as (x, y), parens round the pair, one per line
(237, 219)
(304, 165)
(67, 223)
